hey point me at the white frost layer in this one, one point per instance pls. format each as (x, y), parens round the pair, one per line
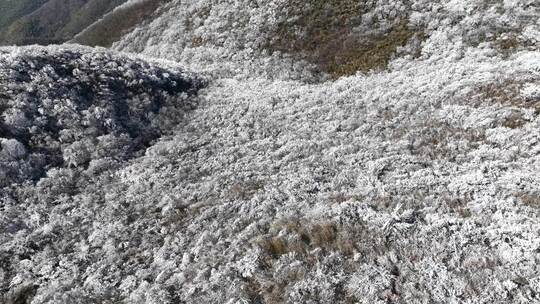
(428, 172)
(418, 157)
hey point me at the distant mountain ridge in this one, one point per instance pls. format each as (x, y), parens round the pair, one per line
(52, 21)
(11, 10)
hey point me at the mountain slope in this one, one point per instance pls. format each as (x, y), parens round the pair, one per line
(55, 21)
(389, 156)
(91, 12)
(284, 40)
(289, 192)
(118, 22)
(10, 10)
(41, 25)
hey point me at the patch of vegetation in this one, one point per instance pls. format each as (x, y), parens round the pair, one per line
(74, 109)
(508, 41)
(323, 32)
(433, 139)
(246, 190)
(529, 199)
(343, 197)
(504, 36)
(515, 120)
(458, 206)
(374, 54)
(307, 237)
(505, 91)
(307, 242)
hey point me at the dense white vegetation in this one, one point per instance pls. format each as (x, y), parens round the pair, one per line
(413, 184)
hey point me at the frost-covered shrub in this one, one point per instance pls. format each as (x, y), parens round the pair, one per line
(65, 107)
(414, 184)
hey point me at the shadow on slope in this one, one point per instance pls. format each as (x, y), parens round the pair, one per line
(71, 106)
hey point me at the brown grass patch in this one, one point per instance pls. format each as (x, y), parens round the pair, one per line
(514, 121)
(435, 140)
(309, 242)
(506, 92)
(322, 33)
(459, 206)
(343, 197)
(246, 190)
(510, 42)
(529, 199)
(306, 237)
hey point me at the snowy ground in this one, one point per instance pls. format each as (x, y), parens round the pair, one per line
(417, 183)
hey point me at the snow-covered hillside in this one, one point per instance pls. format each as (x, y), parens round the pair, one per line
(288, 39)
(282, 177)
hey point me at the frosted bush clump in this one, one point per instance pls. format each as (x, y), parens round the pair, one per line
(58, 104)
